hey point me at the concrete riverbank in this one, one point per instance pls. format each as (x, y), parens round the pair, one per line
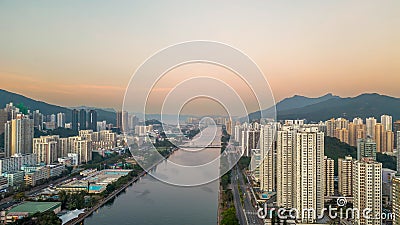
(88, 212)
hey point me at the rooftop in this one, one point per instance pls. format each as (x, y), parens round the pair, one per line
(33, 207)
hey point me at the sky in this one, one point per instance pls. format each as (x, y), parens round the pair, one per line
(73, 53)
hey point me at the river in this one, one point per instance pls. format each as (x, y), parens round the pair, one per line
(153, 202)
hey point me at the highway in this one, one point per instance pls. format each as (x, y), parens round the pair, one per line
(236, 198)
(246, 213)
(249, 210)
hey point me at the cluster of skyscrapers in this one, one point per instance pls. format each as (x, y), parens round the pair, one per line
(83, 120)
(383, 133)
(75, 150)
(30, 160)
(288, 161)
(126, 122)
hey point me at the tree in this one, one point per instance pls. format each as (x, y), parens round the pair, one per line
(19, 196)
(48, 218)
(44, 218)
(229, 217)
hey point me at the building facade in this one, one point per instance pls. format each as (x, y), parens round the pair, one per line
(329, 165)
(18, 135)
(345, 172)
(367, 193)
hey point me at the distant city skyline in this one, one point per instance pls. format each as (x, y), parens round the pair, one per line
(184, 112)
(309, 49)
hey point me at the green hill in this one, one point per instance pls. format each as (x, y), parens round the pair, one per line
(336, 149)
(328, 106)
(363, 106)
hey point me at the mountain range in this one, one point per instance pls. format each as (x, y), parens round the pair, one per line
(329, 106)
(48, 109)
(295, 107)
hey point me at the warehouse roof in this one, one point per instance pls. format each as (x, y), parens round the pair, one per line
(33, 207)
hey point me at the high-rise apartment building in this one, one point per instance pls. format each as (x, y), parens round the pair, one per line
(3, 119)
(309, 172)
(82, 119)
(357, 121)
(238, 133)
(342, 135)
(396, 200)
(101, 125)
(370, 126)
(367, 192)
(398, 151)
(53, 118)
(338, 128)
(396, 127)
(356, 131)
(352, 134)
(330, 127)
(60, 119)
(250, 141)
(12, 111)
(329, 165)
(300, 170)
(386, 121)
(133, 121)
(228, 125)
(18, 135)
(92, 120)
(84, 149)
(46, 149)
(63, 147)
(345, 172)
(37, 119)
(268, 158)
(119, 120)
(379, 137)
(388, 142)
(15, 162)
(125, 125)
(341, 123)
(75, 120)
(286, 165)
(384, 139)
(123, 121)
(366, 148)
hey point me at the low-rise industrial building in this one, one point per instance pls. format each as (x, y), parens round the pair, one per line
(29, 208)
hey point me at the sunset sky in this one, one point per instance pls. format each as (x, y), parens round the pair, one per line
(74, 53)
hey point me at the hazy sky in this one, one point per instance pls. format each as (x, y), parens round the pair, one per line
(84, 52)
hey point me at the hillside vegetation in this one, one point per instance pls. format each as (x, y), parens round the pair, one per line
(336, 149)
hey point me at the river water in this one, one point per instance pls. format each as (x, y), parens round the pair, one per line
(153, 202)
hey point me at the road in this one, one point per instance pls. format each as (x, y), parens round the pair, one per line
(34, 190)
(249, 209)
(236, 198)
(246, 213)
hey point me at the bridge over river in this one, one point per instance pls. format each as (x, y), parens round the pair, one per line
(150, 201)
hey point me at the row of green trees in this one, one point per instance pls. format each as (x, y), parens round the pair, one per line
(228, 216)
(122, 181)
(78, 200)
(224, 139)
(44, 218)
